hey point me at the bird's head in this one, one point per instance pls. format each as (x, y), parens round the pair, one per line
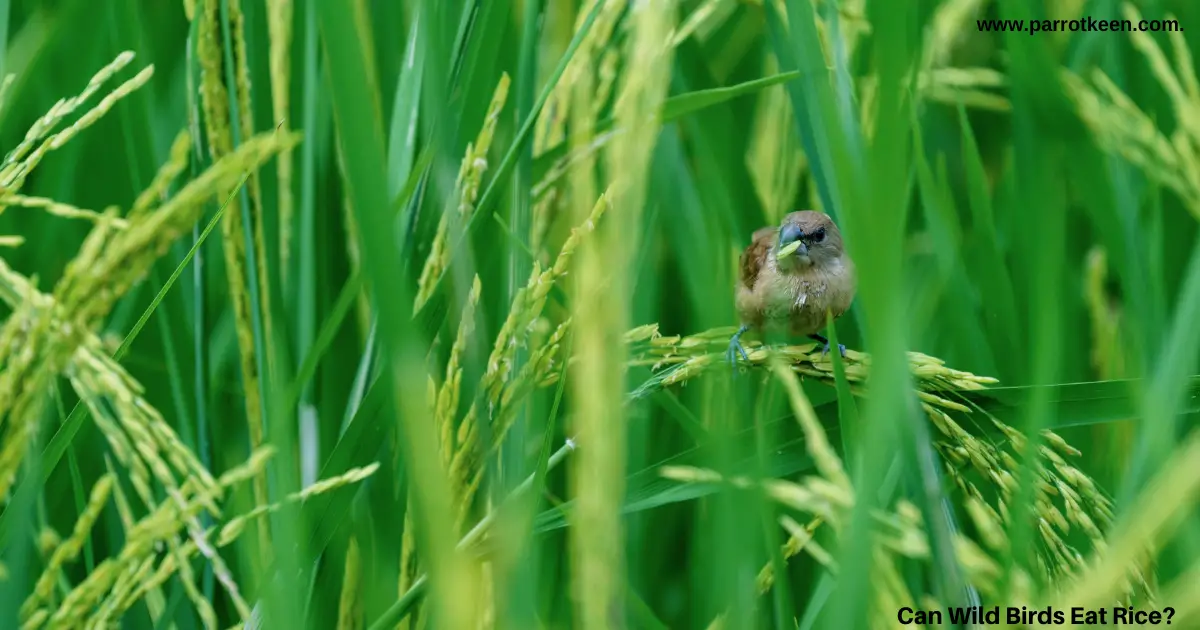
(807, 238)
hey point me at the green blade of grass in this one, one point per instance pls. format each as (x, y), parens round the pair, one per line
(1041, 122)
(986, 264)
(1169, 391)
(395, 613)
(675, 108)
(402, 138)
(847, 408)
(811, 95)
(360, 134)
(520, 584)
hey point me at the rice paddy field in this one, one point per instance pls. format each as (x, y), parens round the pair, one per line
(414, 314)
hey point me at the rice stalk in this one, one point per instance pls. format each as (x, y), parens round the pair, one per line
(279, 27)
(447, 403)
(1108, 356)
(827, 498)
(410, 570)
(774, 157)
(1121, 127)
(350, 603)
(576, 102)
(1144, 530)
(502, 390)
(158, 190)
(116, 578)
(601, 304)
(470, 175)
(444, 403)
(58, 209)
(154, 598)
(984, 470)
(947, 28)
(69, 549)
(218, 110)
(245, 129)
(707, 16)
(25, 157)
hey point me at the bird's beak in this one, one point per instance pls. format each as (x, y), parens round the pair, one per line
(790, 242)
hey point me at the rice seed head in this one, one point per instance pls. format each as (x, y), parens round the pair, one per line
(470, 176)
(69, 549)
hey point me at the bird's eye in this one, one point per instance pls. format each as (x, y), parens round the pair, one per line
(818, 235)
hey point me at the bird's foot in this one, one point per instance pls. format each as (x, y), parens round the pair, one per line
(825, 350)
(735, 348)
(841, 349)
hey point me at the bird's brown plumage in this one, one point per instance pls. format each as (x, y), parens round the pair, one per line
(794, 294)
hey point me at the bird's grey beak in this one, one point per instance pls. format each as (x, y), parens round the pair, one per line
(790, 234)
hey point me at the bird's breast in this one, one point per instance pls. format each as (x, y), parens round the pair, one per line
(795, 299)
(785, 295)
(799, 301)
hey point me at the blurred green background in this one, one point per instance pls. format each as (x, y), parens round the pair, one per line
(1020, 206)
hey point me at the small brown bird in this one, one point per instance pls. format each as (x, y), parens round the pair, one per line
(790, 276)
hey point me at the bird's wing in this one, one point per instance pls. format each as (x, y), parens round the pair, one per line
(755, 255)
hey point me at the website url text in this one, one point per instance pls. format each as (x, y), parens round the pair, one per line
(1083, 25)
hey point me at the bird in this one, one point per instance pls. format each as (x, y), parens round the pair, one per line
(790, 276)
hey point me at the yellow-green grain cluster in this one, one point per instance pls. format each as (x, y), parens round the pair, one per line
(569, 118)
(446, 406)
(45, 332)
(601, 303)
(984, 469)
(220, 105)
(470, 175)
(119, 581)
(502, 391)
(136, 571)
(827, 498)
(65, 551)
(157, 191)
(1121, 127)
(1115, 568)
(444, 401)
(39, 140)
(279, 25)
(53, 334)
(500, 385)
(939, 80)
(457, 445)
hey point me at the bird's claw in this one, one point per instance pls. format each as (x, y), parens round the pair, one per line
(736, 348)
(825, 349)
(841, 350)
